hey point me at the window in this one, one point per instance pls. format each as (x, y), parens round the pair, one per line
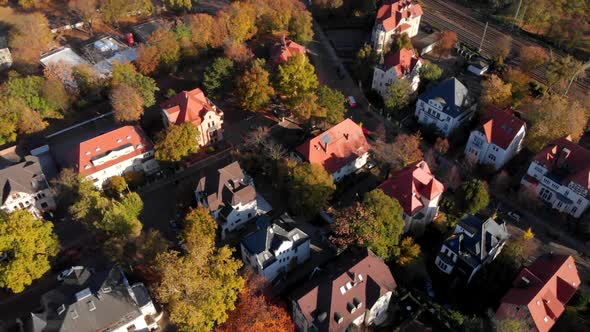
(574, 209)
(128, 136)
(131, 327)
(44, 205)
(97, 149)
(491, 157)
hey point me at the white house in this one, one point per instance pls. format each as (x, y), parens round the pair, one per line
(350, 292)
(24, 187)
(418, 192)
(445, 106)
(276, 247)
(230, 196)
(560, 176)
(194, 107)
(341, 150)
(86, 301)
(402, 64)
(116, 152)
(498, 139)
(473, 244)
(395, 17)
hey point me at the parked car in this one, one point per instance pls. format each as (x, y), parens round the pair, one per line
(515, 216)
(65, 273)
(352, 101)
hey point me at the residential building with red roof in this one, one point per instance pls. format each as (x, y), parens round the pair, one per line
(540, 292)
(114, 153)
(194, 107)
(498, 139)
(417, 191)
(351, 291)
(560, 176)
(282, 51)
(342, 149)
(395, 17)
(402, 64)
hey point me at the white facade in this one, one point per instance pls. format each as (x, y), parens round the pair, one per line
(571, 198)
(239, 215)
(382, 79)
(142, 323)
(484, 152)
(144, 162)
(431, 113)
(423, 217)
(210, 129)
(286, 257)
(382, 38)
(36, 203)
(352, 167)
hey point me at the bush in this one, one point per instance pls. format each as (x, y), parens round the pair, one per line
(170, 93)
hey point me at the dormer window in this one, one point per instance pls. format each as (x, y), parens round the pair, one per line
(87, 166)
(119, 140)
(97, 149)
(139, 146)
(128, 136)
(87, 153)
(338, 317)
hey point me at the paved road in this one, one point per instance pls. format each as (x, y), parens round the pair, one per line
(469, 26)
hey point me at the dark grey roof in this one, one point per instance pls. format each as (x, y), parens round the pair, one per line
(453, 95)
(24, 177)
(89, 302)
(226, 186)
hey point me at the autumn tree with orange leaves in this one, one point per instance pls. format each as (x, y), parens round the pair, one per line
(446, 40)
(255, 312)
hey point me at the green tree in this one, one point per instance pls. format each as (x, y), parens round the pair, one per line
(31, 90)
(177, 142)
(87, 80)
(496, 92)
(409, 251)
(121, 218)
(208, 277)
(401, 41)
(114, 11)
(301, 26)
(309, 108)
(398, 95)
(473, 195)
(128, 75)
(29, 244)
(334, 103)
(297, 79)
(180, 4)
(239, 22)
(511, 325)
(88, 204)
(561, 70)
(115, 186)
(218, 75)
(255, 89)
(363, 63)
(430, 72)
(8, 125)
(310, 189)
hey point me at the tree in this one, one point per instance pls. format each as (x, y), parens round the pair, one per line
(309, 108)
(148, 59)
(503, 47)
(162, 51)
(180, 4)
(409, 251)
(473, 196)
(121, 218)
(202, 28)
(561, 70)
(255, 89)
(207, 277)
(401, 41)
(404, 150)
(86, 9)
(115, 10)
(441, 145)
(301, 26)
(238, 52)
(445, 42)
(115, 186)
(528, 234)
(496, 92)
(520, 84)
(89, 203)
(87, 80)
(297, 79)
(8, 125)
(376, 223)
(255, 312)
(177, 142)
(532, 57)
(128, 75)
(218, 75)
(58, 98)
(398, 95)
(328, 4)
(310, 189)
(31, 92)
(127, 103)
(363, 63)
(334, 103)
(430, 71)
(553, 117)
(29, 244)
(66, 186)
(239, 21)
(29, 38)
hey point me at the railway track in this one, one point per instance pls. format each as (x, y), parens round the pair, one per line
(448, 16)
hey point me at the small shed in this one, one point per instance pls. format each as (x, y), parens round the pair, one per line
(424, 43)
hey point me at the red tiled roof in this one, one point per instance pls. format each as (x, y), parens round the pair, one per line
(403, 61)
(367, 275)
(544, 289)
(188, 106)
(108, 143)
(576, 163)
(501, 126)
(336, 147)
(412, 183)
(282, 51)
(392, 12)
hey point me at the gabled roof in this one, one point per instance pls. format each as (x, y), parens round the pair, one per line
(111, 148)
(355, 276)
(285, 49)
(403, 61)
(227, 187)
(188, 106)
(566, 161)
(412, 183)
(501, 126)
(452, 94)
(392, 12)
(544, 288)
(336, 147)
(91, 302)
(26, 177)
